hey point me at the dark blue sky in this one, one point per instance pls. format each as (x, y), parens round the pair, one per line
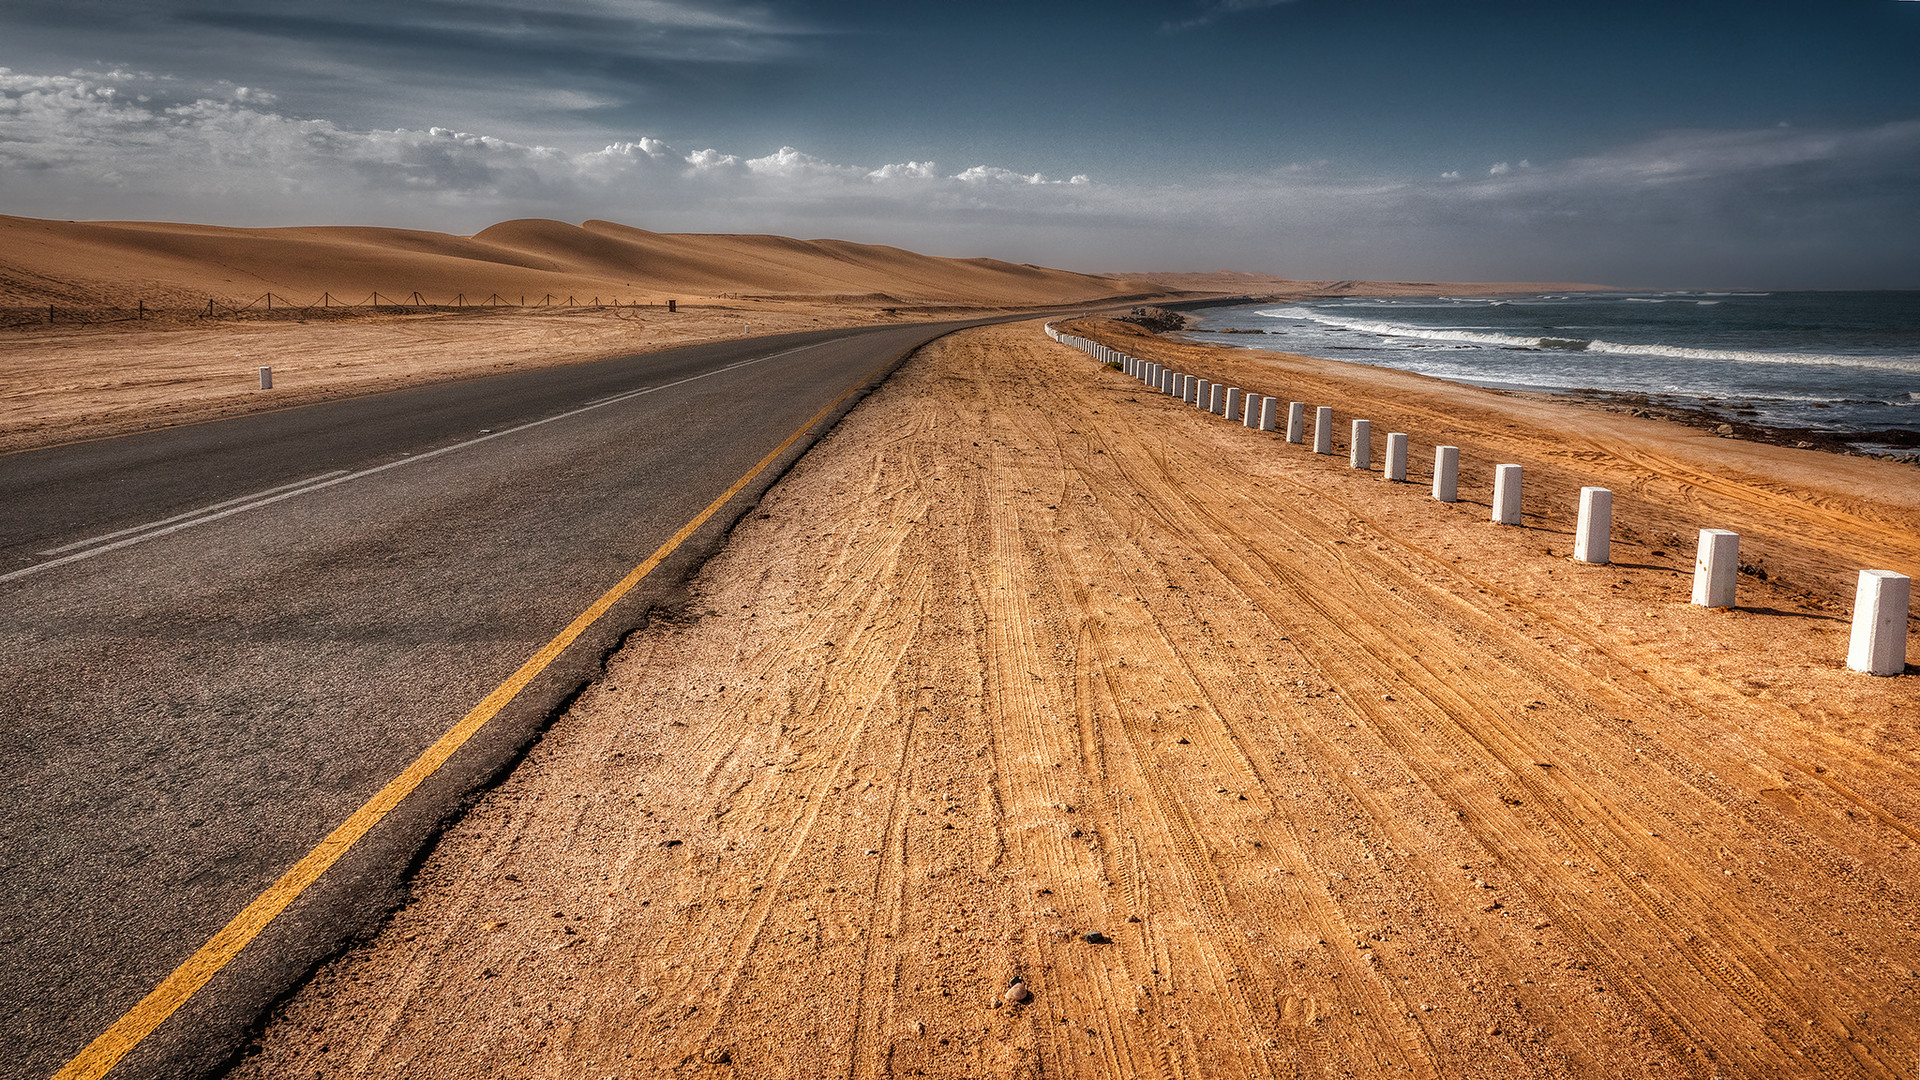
(1773, 144)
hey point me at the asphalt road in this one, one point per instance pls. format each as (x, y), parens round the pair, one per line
(218, 641)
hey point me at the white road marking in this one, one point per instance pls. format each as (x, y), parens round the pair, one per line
(92, 540)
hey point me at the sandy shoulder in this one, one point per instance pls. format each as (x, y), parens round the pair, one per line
(1248, 763)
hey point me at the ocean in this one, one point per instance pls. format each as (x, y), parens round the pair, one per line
(1839, 363)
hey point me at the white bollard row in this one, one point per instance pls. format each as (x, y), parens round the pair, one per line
(1877, 644)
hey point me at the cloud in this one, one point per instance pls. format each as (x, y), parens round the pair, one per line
(1212, 11)
(1772, 206)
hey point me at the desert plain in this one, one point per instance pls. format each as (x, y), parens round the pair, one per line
(1236, 760)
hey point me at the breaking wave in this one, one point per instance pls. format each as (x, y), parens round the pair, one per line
(1462, 336)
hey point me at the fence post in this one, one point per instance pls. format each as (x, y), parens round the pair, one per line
(1360, 445)
(1506, 494)
(1323, 430)
(1269, 413)
(1878, 645)
(1593, 538)
(1396, 466)
(1446, 473)
(1233, 403)
(1296, 421)
(1715, 565)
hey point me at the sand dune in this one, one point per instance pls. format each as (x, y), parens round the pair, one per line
(122, 263)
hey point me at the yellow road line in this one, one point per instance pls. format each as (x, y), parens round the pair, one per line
(140, 1021)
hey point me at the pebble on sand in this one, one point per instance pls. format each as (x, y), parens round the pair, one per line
(1017, 994)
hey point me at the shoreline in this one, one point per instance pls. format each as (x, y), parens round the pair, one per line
(1903, 443)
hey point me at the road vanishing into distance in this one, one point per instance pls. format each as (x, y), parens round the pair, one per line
(219, 641)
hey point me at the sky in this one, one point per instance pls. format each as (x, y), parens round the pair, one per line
(1646, 144)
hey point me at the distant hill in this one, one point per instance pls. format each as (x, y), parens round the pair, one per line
(120, 263)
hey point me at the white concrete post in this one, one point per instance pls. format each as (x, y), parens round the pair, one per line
(1192, 392)
(1250, 407)
(1593, 537)
(1269, 413)
(1446, 473)
(1506, 494)
(1202, 391)
(1396, 466)
(1217, 399)
(1360, 445)
(1715, 567)
(1323, 430)
(1879, 642)
(1164, 380)
(1296, 421)
(266, 378)
(1233, 403)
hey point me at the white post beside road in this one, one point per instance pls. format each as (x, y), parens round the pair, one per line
(1296, 421)
(1715, 567)
(1323, 430)
(266, 378)
(1360, 445)
(1201, 389)
(1396, 466)
(1446, 473)
(1252, 408)
(1593, 537)
(1234, 395)
(1217, 399)
(1879, 642)
(1506, 494)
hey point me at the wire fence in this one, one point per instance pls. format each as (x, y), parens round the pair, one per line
(272, 305)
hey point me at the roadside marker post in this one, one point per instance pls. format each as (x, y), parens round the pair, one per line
(1396, 465)
(1203, 391)
(1360, 445)
(1269, 414)
(1297, 422)
(1323, 430)
(1593, 537)
(1506, 495)
(266, 378)
(1878, 645)
(1217, 399)
(1446, 473)
(1251, 410)
(1234, 395)
(1714, 568)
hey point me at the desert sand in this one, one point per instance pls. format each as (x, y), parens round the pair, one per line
(1241, 761)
